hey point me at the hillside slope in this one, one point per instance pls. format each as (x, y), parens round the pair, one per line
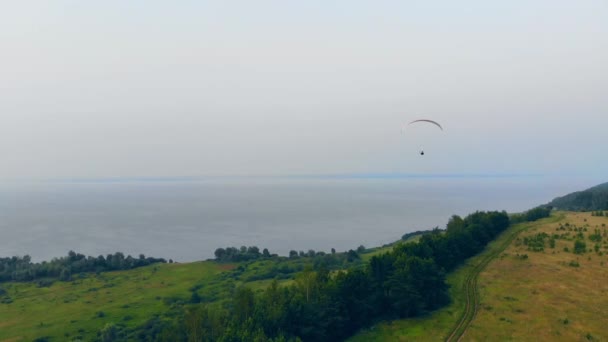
(440, 324)
(550, 284)
(595, 198)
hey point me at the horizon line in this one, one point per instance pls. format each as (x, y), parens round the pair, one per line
(319, 176)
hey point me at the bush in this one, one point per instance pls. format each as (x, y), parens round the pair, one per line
(574, 263)
(195, 298)
(580, 247)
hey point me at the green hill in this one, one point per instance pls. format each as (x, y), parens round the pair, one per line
(595, 198)
(311, 296)
(136, 301)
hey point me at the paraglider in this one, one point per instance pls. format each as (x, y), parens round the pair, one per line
(429, 121)
(426, 121)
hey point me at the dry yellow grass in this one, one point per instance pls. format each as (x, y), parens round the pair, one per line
(543, 297)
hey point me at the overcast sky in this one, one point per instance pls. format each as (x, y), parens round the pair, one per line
(191, 88)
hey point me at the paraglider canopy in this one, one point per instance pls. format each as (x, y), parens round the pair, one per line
(426, 120)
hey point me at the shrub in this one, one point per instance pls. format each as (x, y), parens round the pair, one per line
(574, 263)
(580, 247)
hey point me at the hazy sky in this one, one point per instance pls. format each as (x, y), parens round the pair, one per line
(189, 88)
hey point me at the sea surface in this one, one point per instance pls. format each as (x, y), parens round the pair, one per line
(187, 220)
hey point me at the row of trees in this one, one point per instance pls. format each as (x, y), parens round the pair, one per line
(329, 306)
(233, 254)
(532, 214)
(23, 269)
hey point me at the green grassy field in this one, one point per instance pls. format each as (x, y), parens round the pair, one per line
(80, 308)
(67, 310)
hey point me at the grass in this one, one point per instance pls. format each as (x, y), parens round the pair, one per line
(546, 296)
(68, 310)
(371, 252)
(79, 309)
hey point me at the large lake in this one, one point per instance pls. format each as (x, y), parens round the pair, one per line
(188, 220)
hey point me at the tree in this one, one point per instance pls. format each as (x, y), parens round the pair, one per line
(580, 247)
(351, 255)
(455, 225)
(65, 275)
(193, 322)
(220, 253)
(243, 303)
(305, 281)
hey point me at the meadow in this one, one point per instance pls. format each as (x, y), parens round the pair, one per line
(547, 287)
(79, 309)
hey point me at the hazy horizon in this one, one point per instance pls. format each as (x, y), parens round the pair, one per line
(131, 89)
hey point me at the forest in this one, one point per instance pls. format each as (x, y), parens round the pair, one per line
(592, 199)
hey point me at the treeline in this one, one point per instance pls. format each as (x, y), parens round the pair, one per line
(532, 214)
(595, 198)
(330, 306)
(23, 269)
(233, 254)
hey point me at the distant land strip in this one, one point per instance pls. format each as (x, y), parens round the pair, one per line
(335, 176)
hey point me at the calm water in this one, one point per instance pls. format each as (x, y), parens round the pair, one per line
(187, 221)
